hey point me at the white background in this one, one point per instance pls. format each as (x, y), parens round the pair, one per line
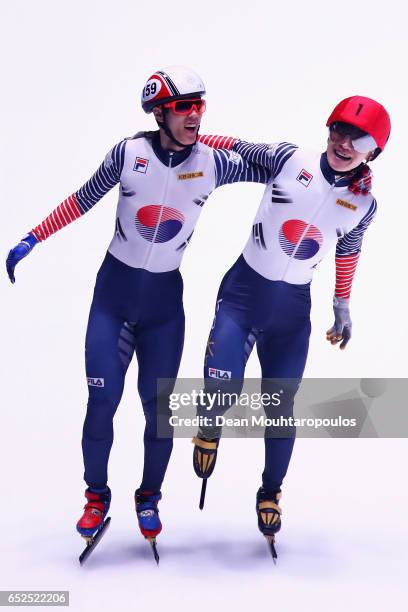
(72, 76)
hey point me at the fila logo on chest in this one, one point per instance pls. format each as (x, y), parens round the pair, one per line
(141, 165)
(304, 177)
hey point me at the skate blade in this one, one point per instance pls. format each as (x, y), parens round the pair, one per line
(154, 549)
(271, 546)
(202, 496)
(92, 541)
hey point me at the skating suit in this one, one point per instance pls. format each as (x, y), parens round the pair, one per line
(264, 299)
(137, 304)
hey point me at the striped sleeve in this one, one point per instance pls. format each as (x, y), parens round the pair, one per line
(217, 142)
(231, 168)
(77, 204)
(271, 157)
(348, 252)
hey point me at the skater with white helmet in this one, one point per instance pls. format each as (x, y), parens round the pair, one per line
(165, 178)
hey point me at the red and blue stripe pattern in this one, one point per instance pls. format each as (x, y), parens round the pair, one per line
(263, 155)
(348, 252)
(64, 214)
(273, 157)
(77, 204)
(230, 168)
(159, 223)
(351, 242)
(345, 269)
(217, 142)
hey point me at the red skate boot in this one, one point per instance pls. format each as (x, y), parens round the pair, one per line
(92, 523)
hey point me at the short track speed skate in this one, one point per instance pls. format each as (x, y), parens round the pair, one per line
(269, 513)
(93, 524)
(148, 517)
(204, 458)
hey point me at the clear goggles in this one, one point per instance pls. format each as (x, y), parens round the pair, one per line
(361, 141)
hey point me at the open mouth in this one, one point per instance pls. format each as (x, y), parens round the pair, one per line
(340, 156)
(190, 128)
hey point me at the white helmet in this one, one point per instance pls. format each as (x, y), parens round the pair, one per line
(172, 83)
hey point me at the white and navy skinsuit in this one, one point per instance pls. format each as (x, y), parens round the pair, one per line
(305, 211)
(137, 304)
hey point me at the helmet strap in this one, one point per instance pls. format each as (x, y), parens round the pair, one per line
(376, 153)
(168, 132)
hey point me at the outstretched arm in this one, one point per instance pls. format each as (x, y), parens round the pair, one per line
(230, 166)
(73, 207)
(347, 254)
(270, 157)
(81, 201)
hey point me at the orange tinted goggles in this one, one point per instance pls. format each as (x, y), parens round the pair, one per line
(185, 107)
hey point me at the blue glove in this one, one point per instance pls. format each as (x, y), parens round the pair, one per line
(341, 330)
(24, 247)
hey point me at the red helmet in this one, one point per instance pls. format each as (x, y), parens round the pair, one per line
(366, 114)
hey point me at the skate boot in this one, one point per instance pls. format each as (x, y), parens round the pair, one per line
(92, 523)
(95, 511)
(269, 513)
(148, 516)
(204, 458)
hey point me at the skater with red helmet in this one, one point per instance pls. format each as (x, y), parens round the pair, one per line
(312, 202)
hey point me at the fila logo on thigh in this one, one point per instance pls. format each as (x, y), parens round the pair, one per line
(215, 373)
(96, 382)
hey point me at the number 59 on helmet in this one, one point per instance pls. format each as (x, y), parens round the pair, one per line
(172, 83)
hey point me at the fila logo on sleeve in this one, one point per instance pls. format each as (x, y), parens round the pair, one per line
(304, 177)
(141, 165)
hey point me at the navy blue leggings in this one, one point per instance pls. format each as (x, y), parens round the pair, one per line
(276, 316)
(133, 310)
